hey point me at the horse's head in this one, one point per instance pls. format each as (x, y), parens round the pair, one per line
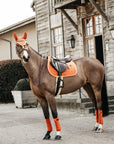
(22, 47)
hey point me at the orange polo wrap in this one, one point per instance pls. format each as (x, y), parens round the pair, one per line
(97, 119)
(57, 124)
(49, 126)
(100, 116)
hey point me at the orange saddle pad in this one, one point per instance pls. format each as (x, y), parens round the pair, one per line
(70, 71)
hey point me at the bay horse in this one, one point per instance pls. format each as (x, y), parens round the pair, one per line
(90, 75)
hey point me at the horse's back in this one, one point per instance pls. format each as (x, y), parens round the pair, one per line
(89, 62)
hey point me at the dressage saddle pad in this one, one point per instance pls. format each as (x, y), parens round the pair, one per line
(71, 69)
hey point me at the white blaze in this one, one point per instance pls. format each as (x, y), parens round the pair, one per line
(25, 54)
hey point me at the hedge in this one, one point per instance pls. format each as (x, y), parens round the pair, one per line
(10, 72)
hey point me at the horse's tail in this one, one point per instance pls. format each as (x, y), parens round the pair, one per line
(104, 97)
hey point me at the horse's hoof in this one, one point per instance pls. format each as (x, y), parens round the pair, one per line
(99, 130)
(47, 136)
(95, 129)
(57, 137)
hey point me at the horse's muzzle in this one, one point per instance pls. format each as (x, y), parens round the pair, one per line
(26, 59)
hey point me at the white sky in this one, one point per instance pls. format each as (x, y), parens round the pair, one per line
(13, 11)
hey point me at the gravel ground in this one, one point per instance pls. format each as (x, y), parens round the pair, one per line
(27, 126)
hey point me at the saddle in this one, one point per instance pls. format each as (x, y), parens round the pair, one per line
(60, 64)
(61, 68)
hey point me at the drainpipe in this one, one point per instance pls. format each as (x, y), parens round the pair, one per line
(50, 35)
(33, 6)
(10, 46)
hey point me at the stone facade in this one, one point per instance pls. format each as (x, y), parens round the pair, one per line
(45, 19)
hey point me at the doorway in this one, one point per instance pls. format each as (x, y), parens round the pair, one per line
(99, 56)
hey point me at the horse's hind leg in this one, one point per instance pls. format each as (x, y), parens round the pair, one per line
(99, 113)
(91, 95)
(44, 105)
(52, 103)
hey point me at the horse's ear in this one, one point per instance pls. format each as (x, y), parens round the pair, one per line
(15, 36)
(25, 35)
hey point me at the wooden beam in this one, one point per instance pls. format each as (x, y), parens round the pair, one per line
(99, 9)
(70, 19)
(61, 3)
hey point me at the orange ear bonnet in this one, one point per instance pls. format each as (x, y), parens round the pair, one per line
(21, 38)
(15, 36)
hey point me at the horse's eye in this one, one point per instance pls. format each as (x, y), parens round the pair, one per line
(18, 46)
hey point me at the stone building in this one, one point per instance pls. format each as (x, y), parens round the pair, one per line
(87, 21)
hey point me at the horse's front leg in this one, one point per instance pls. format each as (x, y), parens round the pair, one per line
(52, 103)
(44, 105)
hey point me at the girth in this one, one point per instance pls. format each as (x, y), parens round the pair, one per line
(60, 66)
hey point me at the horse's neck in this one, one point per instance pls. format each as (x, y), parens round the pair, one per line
(33, 66)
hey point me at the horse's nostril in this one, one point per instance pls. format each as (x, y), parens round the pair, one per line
(26, 59)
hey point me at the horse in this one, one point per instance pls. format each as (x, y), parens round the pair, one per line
(90, 75)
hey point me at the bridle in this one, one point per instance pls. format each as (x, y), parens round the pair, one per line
(22, 46)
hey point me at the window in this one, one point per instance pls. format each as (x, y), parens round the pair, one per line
(58, 42)
(92, 28)
(98, 24)
(57, 35)
(89, 27)
(90, 46)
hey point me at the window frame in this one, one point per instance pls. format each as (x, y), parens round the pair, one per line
(55, 45)
(88, 37)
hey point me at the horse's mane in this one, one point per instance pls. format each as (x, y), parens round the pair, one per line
(36, 52)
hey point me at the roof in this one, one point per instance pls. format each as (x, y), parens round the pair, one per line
(18, 25)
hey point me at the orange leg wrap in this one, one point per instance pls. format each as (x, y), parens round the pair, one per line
(57, 124)
(49, 126)
(100, 116)
(96, 112)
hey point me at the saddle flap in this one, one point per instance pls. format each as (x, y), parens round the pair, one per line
(58, 66)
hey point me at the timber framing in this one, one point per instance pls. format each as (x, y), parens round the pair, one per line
(67, 4)
(70, 19)
(99, 9)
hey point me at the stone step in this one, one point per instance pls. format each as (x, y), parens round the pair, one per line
(111, 112)
(84, 100)
(90, 110)
(72, 104)
(84, 106)
(67, 103)
(111, 107)
(110, 98)
(88, 104)
(111, 102)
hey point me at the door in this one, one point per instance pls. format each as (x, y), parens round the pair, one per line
(99, 56)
